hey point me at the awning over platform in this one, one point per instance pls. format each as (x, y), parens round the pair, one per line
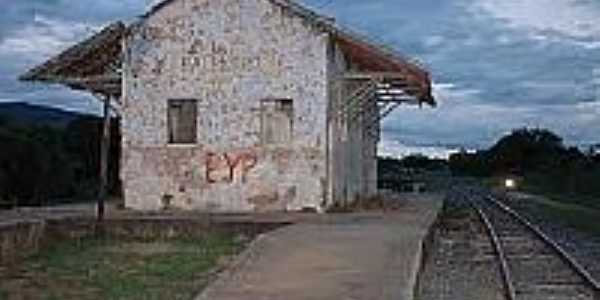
(93, 65)
(370, 61)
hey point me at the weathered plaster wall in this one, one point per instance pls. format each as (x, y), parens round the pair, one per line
(229, 55)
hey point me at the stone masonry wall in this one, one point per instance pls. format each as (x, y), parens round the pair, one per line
(229, 55)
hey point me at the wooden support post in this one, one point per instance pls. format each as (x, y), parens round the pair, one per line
(104, 156)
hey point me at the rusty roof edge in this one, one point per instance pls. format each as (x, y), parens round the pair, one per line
(378, 47)
(334, 27)
(36, 73)
(394, 55)
(329, 24)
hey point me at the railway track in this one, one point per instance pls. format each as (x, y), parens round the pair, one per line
(583, 246)
(533, 266)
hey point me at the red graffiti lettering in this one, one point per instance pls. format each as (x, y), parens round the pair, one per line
(231, 163)
(210, 167)
(248, 163)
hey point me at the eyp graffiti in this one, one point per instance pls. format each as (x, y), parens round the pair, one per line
(229, 167)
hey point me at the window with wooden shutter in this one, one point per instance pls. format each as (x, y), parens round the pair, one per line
(182, 121)
(277, 121)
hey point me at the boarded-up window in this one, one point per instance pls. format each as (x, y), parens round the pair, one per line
(277, 121)
(182, 121)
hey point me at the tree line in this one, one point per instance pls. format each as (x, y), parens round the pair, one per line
(45, 165)
(541, 157)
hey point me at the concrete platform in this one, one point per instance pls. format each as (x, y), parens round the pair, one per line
(362, 257)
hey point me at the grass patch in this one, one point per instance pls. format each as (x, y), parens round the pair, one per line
(580, 217)
(457, 210)
(549, 190)
(577, 210)
(103, 269)
(581, 200)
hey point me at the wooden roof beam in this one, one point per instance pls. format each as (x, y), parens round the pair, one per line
(375, 75)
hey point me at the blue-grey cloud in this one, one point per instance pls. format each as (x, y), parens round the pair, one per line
(498, 71)
(35, 30)
(497, 64)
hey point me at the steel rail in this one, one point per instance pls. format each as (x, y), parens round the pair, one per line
(580, 270)
(509, 286)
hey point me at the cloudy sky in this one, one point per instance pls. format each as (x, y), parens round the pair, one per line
(497, 65)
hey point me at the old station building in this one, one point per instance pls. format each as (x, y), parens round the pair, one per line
(241, 105)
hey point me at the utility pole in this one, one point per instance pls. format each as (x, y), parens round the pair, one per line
(104, 156)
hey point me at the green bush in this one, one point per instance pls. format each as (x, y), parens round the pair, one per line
(43, 165)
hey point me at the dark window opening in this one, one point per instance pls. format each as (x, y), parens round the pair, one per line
(182, 121)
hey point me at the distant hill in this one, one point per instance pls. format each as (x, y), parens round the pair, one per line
(28, 114)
